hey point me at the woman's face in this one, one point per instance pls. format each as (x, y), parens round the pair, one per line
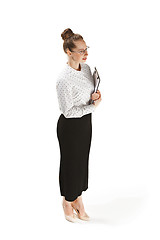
(76, 56)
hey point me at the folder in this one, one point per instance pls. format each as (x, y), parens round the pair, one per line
(96, 79)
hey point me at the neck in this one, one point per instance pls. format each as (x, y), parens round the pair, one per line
(75, 65)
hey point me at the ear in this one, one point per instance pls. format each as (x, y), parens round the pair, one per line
(68, 52)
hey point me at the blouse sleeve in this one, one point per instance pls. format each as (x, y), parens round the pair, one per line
(65, 99)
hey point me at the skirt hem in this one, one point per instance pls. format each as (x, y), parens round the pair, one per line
(71, 199)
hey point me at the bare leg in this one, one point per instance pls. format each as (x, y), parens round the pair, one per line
(79, 205)
(67, 207)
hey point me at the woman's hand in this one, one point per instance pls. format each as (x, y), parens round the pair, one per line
(96, 95)
(96, 102)
(98, 99)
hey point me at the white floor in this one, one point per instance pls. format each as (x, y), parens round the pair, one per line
(118, 216)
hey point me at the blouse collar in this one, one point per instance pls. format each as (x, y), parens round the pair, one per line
(74, 70)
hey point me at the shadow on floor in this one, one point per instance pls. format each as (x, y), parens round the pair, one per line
(117, 211)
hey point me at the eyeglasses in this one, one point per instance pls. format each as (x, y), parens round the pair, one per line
(82, 51)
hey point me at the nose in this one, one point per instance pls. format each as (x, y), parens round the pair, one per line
(86, 53)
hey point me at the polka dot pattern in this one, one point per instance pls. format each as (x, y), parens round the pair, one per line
(74, 89)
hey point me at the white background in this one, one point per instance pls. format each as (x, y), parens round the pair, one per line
(123, 195)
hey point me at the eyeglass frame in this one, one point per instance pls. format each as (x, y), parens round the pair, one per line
(82, 51)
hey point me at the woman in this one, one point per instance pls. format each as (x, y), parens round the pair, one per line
(74, 127)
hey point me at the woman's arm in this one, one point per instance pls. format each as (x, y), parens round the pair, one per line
(65, 99)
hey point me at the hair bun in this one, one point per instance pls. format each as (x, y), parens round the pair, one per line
(67, 33)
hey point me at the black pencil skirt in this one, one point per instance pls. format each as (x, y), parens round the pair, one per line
(74, 136)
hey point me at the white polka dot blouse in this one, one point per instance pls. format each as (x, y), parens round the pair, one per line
(74, 89)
